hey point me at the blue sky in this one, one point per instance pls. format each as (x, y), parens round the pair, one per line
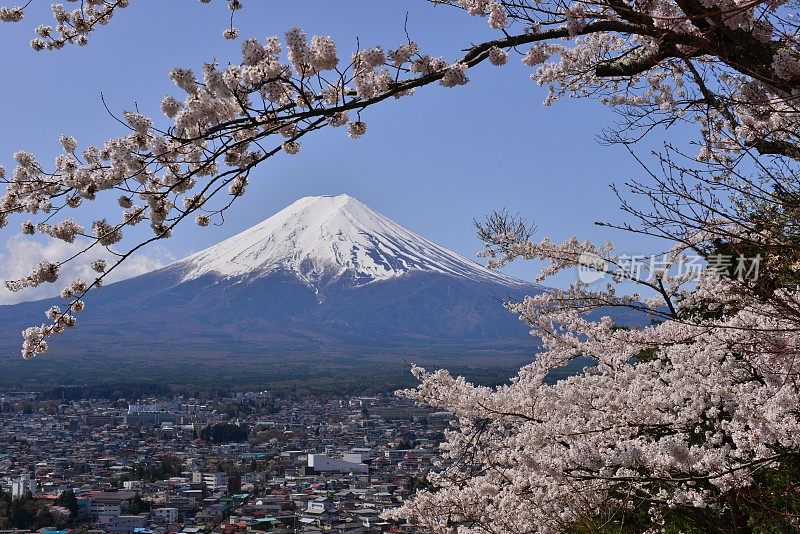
(432, 162)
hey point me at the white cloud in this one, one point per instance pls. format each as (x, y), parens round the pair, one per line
(22, 254)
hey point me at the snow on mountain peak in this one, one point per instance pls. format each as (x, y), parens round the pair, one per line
(320, 237)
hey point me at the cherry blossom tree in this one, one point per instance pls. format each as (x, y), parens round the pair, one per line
(692, 405)
(682, 424)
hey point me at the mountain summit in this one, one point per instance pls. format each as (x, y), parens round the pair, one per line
(323, 238)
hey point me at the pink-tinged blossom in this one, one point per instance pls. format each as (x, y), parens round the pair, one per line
(237, 186)
(67, 230)
(356, 129)
(170, 106)
(291, 147)
(339, 119)
(498, 17)
(403, 53)
(53, 312)
(786, 63)
(11, 14)
(536, 55)
(323, 53)
(99, 266)
(46, 272)
(498, 56)
(455, 75)
(33, 341)
(297, 46)
(426, 64)
(369, 59)
(138, 122)
(68, 143)
(106, 234)
(476, 7)
(185, 79)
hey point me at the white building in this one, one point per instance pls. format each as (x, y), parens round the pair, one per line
(23, 485)
(213, 481)
(169, 515)
(109, 504)
(358, 455)
(320, 505)
(325, 464)
(104, 509)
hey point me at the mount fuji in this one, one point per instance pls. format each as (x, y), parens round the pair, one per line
(325, 278)
(327, 237)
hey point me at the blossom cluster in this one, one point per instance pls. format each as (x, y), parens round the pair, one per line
(665, 414)
(74, 27)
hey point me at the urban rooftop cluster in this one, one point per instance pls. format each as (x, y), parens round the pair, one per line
(249, 463)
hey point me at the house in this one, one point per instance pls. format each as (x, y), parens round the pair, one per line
(321, 505)
(109, 502)
(167, 514)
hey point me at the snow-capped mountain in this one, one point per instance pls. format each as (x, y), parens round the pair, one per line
(323, 280)
(325, 237)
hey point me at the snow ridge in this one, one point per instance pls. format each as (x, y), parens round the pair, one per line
(326, 237)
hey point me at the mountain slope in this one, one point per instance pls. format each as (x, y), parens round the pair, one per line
(325, 278)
